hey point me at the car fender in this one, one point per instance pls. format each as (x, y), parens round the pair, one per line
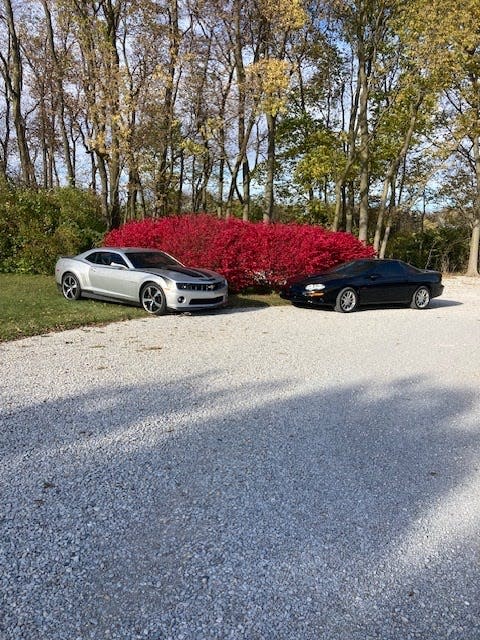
(71, 265)
(156, 279)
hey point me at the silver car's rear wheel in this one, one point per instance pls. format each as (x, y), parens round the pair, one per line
(347, 300)
(71, 287)
(153, 299)
(421, 298)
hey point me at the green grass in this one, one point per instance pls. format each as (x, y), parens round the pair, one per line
(31, 305)
(255, 300)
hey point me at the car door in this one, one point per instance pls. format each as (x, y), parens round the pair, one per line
(388, 283)
(357, 275)
(110, 276)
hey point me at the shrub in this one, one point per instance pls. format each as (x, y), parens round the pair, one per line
(248, 254)
(38, 226)
(444, 248)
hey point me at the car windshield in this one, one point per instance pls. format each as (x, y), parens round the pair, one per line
(152, 260)
(352, 268)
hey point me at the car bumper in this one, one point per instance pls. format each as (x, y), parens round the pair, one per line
(436, 290)
(180, 300)
(302, 297)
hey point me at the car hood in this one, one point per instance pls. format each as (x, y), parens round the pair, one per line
(324, 277)
(182, 274)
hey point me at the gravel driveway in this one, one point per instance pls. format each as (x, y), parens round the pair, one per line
(272, 474)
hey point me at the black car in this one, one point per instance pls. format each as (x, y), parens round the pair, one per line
(365, 282)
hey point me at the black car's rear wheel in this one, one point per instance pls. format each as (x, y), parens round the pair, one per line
(71, 287)
(421, 298)
(153, 299)
(347, 300)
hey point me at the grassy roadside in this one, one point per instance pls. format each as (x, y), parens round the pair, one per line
(31, 305)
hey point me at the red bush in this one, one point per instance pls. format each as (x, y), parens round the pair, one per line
(248, 254)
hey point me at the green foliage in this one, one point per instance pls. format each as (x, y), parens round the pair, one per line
(314, 150)
(319, 212)
(38, 226)
(324, 161)
(444, 248)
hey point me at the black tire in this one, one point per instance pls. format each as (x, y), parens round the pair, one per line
(71, 286)
(347, 300)
(153, 299)
(421, 298)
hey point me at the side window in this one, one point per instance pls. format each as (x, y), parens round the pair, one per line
(116, 257)
(410, 269)
(388, 269)
(104, 258)
(93, 257)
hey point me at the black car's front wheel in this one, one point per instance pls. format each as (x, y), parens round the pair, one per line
(153, 299)
(421, 298)
(347, 300)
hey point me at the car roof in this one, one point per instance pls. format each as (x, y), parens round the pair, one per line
(128, 249)
(376, 260)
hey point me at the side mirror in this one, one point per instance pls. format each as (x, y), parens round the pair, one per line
(117, 265)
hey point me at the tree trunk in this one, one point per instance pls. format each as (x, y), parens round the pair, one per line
(163, 185)
(60, 97)
(242, 129)
(393, 169)
(268, 215)
(104, 188)
(364, 145)
(14, 88)
(338, 217)
(132, 192)
(114, 183)
(246, 189)
(43, 139)
(221, 183)
(386, 235)
(472, 269)
(349, 150)
(349, 206)
(5, 143)
(114, 169)
(180, 184)
(388, 226)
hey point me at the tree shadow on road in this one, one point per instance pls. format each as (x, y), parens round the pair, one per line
(178, 510)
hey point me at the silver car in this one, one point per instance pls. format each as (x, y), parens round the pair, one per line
(143, 277)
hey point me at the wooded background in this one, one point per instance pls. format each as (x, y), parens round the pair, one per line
(358, 115)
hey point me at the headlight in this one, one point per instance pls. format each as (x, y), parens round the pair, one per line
(169, 284)
(314, 287)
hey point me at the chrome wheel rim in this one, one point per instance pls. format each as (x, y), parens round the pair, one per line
(348, 301)
(70, 287)
(152, 299)
(422, 298)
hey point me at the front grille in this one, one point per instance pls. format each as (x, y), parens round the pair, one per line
(193, 286)
(206, 300)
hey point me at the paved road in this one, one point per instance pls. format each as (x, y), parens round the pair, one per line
(272, 474)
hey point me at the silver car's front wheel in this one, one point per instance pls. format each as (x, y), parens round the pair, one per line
(421, 298)
(153, 299)
(71, 287)
(347, 300)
